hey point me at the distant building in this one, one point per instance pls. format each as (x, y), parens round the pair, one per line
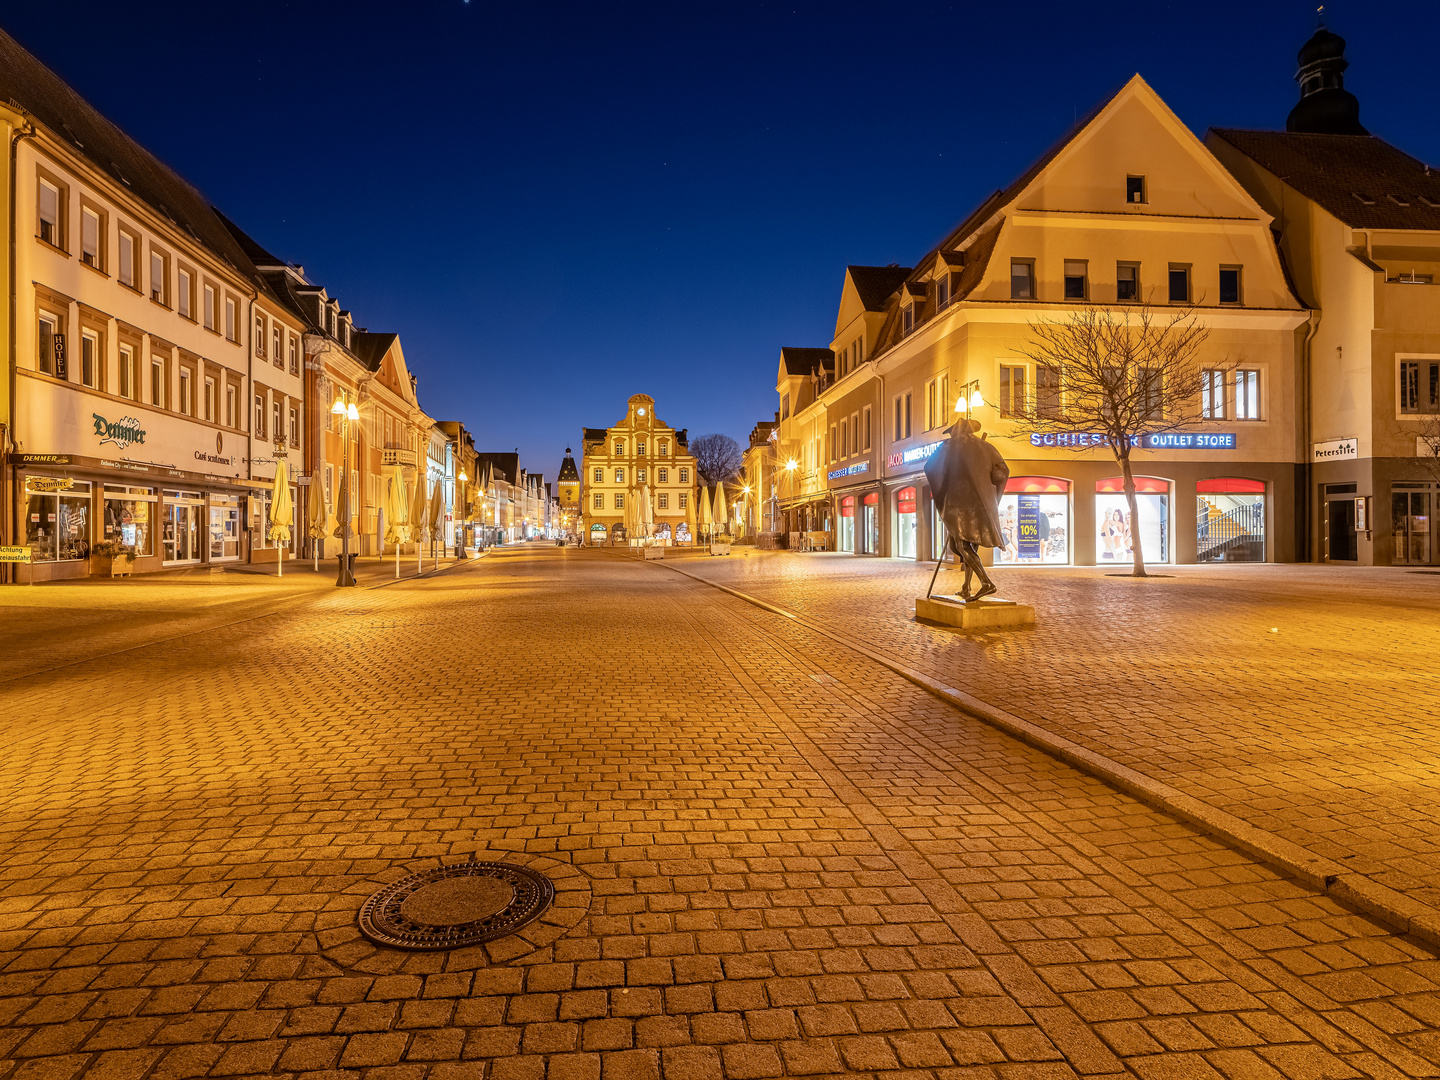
(639, 451)
(568, 500)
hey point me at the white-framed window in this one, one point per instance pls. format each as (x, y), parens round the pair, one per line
(1231, 285)
(937, 401)
(865, 426)
(1420, 386)
(258, 426)
(1014, 399)
(663, 500)
(619, 476)
(186, 403)
(210, 307)
(210, 399)
(294, 355)
(48, 329)
(157, 382)
(276, 338)
(664, 476)
(50, 206)
(1151, 389)
(619, 500)
(664, 447)
(232, 406)
(158, 282)
(599, 500)
(684, 499)
(834, 443)
(90, 238)
(684, 476)
(902, 416)
(277, 431)
(910, 319)
(294, 427)
(230, 322)
(942, 296)
(129, 250)
(90, 358)
(619, 448)
(1022, 279)
(259, 335)
(599, 476)
(640, 448)
(1247, 394)
(640, 476)
(127, 372)
(184, 283)
(1212, 394)
(844, 448)
(855, 433)
(1077, 279)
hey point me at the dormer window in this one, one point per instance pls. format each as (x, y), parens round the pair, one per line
(1135, 189)
(942, 291)
(909, 317)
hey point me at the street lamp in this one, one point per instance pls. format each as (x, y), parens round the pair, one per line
(970, 397)
(460, 479)
(348, 413)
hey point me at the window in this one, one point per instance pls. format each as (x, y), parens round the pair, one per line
(1247, 395)
(664, 476)
(1420, 386)
(185, 283)
(259, 335)
(209, 307)
(128, 253)
(294, 355)
(844, 441)
(258, 427)
(127, 372)
(275, 351)
(1229, 284)
(49, 213)
(230, 317)
(186, 403)
(784, 406)
(640, 476)
(89, 358)
(619, 476)
(684, 499)
(599, 500)
(619, 500)
(1179, 284)
(129, 517)
(1150, 385)
(664, 447)
(157, 382)
(1212, 394)
(911, 318)
(1047, 391)
(865, 426)
(639, 449)
(1127, 281)
(619, 448)
(902, 417)
(942, 292)
(937, 401)
(1013, 401)
(277, 432)
(854, 433)
(834, 443)
(684, 478)
(599, 476)
(1022, 279)
(210, 400)
(1135, 189)
(1077, 283)
(90, 237)
(157, 277)
(232, 407)
(46, 343)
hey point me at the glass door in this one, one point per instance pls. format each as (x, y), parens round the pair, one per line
(182, 527)
(1410, 511)
(224, 532)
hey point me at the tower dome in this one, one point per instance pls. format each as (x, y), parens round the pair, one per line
(1325, 106)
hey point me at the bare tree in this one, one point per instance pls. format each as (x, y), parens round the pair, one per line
(717, 458)
(1123, 379)
(1427, 444)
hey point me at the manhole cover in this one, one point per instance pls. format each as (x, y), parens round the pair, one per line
(453, 906)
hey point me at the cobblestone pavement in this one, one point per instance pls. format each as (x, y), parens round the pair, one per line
(774, 858)
(1301, 699)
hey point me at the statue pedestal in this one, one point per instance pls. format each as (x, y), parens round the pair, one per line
(986, 614)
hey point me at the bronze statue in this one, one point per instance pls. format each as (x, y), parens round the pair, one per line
(967, 477)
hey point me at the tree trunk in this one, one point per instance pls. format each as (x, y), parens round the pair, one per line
(1139, 555)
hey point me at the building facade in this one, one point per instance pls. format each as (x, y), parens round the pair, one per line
(640, 451)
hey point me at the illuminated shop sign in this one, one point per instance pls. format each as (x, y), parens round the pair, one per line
(121, 433)
(1170, 440)
(914, 454)
(850, 470)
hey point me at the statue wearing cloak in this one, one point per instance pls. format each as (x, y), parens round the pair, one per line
(967, 477)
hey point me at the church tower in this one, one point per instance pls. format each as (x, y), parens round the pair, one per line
(1325, 106)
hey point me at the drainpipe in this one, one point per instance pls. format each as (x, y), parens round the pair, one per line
(1307, 495)
(11, 521)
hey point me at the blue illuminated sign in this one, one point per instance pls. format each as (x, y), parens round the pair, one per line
(850, 470)
(1173, 440)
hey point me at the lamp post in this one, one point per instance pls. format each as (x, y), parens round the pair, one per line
(970, 398)
(460, 479)
(746, 503)
(348, 412)
(790, 475)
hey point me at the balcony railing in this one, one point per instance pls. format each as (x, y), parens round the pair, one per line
(394, 455)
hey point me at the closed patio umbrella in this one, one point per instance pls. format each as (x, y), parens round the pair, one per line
(437, 511)
(396, 509)
(722, 508)
(646, 511)
(418, 523)
(282, 511)
(343, 506)
(703, 517)
(319, 516)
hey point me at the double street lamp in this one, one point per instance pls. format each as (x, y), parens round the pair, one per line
(460, 479)
(348, 413)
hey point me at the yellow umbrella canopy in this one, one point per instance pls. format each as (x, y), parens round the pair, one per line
(343, 507)
(722, 509)
(703, 516)
(282, 508)
(437, 511)
(395, 511)
(318, 512)
(419, 507)
(646, 510)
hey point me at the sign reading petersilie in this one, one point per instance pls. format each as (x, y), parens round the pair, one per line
(1336, 450)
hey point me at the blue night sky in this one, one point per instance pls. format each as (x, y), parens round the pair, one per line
(558, 205)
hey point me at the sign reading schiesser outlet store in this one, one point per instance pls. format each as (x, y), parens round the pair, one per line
(58, 420)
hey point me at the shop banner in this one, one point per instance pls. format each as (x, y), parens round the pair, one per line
(1029, 526)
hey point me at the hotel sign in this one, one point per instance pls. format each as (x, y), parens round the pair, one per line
(850, 470)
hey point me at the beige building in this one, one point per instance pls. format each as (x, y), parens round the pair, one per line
(1128, 206)
(639, 450)
(1359, 224)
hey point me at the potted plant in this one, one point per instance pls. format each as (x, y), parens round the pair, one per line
(111, 558)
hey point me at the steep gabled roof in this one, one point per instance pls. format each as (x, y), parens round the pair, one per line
(506, 466)
(876, 284)
(806, 361)
(568, 472)
(370, 349)
(1360, 179)
(45, 97)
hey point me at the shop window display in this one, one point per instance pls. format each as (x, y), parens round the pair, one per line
(57, 518)
(1229, 520)
(872, 524)
(1035, 522)
(905, 523)
(1116, 533)
(847, 523)
(129, 517)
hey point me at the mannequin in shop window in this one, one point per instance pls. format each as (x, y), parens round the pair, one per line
(967, 476)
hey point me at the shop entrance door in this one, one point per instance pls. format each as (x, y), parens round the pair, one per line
(224, 531)
(1410, 512)
(182, 528)
(872, 524)
(905, 523)
(1340, 540)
